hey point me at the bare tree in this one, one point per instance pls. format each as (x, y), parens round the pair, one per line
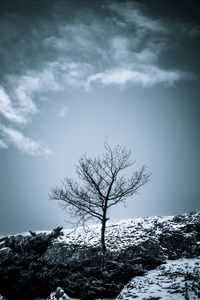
(104, 185)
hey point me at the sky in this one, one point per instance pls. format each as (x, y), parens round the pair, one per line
(73, 73)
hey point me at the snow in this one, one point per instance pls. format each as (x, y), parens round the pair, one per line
(168, 282)
(4, 248)
(127, 231)
(121, 233)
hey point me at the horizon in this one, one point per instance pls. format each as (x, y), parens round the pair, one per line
(98, 223)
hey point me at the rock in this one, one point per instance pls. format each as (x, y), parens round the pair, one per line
(64, 254)
(196, 282)
(6, 255)
(32, 233)
(177, 244)
(59, 294)
(56, 232)
(147, 252)
(178, 219)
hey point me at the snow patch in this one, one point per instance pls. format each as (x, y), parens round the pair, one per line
(173, 280)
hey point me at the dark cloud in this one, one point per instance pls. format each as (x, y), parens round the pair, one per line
(180, 10)
(50, 46)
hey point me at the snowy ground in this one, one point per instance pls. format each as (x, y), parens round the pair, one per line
(123, 233)
(124, 230)
(168, 282)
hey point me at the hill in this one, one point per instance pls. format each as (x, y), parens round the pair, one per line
(157, 257)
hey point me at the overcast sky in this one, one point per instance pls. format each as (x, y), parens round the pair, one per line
(75, 72)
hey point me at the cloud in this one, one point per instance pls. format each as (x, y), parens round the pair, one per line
(3, 145)
(188, 30)
(21, 103)
(23, 143)
(68, 48)
(130, 12)
(147, 77)
(8, 111)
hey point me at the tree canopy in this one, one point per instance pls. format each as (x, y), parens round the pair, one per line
(102, 184)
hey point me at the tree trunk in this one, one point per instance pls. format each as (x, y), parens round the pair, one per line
(103, 230)
(103, 244)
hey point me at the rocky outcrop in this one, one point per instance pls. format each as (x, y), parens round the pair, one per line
(179, 244)
(62, 254)
(21, 265)
(59, 294)
(148, 242)
(34, 265)
(6, 255)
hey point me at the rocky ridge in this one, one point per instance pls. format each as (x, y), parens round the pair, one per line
(34, 265)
